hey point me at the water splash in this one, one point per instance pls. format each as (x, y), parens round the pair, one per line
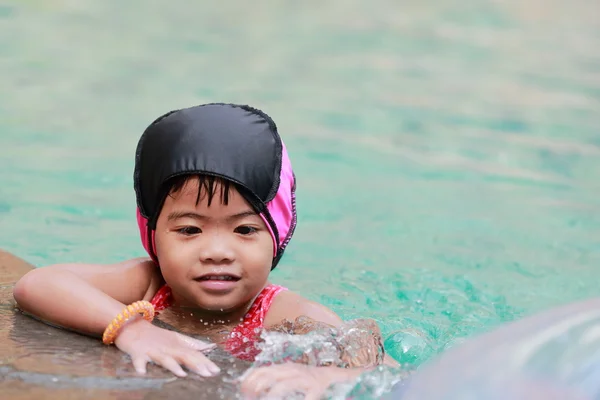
(356, 343)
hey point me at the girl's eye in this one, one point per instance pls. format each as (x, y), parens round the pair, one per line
(189, 230)
(245, 230)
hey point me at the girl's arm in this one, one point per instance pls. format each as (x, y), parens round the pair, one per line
(85, 297)
(281, 379)
(289, 305)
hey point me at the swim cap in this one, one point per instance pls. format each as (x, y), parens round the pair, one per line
(237, 143)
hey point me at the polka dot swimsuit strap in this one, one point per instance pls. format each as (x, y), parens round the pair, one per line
(162, 299)
(242, 339)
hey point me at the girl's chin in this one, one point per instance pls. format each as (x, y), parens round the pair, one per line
(212, 305)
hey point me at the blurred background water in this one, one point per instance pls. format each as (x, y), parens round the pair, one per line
(447, 152)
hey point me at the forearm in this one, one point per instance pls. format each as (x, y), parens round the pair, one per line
(62, 298)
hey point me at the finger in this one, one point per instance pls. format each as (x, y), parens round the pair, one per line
(283, 388)
(275, 370)
(314, 394)
(168, 362)
(195, 344)
(259, 380)
(198, 363)
(139, 363)
(257, 372)
(310, 389)
(253, 382)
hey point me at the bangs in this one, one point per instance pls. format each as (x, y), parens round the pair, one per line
(207, 186)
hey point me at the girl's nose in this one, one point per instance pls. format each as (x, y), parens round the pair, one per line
(216, 249)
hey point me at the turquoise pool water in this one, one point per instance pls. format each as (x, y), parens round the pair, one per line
(447, 152)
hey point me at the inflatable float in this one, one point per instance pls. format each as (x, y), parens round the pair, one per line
(554, 355)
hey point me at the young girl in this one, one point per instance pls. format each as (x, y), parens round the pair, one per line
(216, 209)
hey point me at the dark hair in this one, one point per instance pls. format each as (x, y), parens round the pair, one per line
(208, 187)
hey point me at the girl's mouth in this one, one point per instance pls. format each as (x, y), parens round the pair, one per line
(220, 284)
(218, 278)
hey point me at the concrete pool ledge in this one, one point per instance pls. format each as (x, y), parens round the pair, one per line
(39, 361)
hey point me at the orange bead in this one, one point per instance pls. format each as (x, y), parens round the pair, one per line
(139, 307)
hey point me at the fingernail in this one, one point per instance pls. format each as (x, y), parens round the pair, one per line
(204, 370)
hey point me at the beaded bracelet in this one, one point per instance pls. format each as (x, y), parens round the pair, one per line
(139, 307)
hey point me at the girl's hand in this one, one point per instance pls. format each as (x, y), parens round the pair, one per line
(145, 342)
(278, 381)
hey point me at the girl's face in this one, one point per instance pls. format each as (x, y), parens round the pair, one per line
(215, 257)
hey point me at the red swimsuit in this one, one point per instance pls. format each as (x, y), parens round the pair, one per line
(242, 339)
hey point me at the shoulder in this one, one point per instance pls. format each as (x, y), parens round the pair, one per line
(290, 305)
(132, 279)
(126, 281)
(144, 271)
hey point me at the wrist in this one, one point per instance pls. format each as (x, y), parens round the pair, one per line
(128, 314)
(131, 330)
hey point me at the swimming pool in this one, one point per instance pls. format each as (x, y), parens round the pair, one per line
(447, 154)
